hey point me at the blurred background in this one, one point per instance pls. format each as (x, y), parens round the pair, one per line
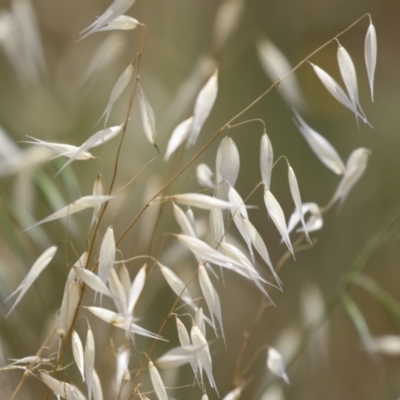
(55, 88)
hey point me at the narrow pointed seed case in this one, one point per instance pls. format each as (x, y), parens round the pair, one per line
(320, 146)
(204, 175)
(266, 160)
(336, 91)
(295, 191)
(117, 8)
(157, 382)
(123, 22)
(92, 280)
(89, 361)
(200, 201)
(178, 137)
(276, 65)
(78, 205)
(95, 140)
(228, 161)
(370, 53)
(148, 118)
(355, 167)
(77, 351)
(275, 364)
(349, 76)
(117, 90)
(40, 264)
(203, 106)
(107, 254)
(98, 190)
(61, 149)
(136, 289)
(210, 296)
(278, 217)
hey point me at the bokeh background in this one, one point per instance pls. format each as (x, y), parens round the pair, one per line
(64, 98)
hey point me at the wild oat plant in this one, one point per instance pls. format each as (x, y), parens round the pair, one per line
(102, 343)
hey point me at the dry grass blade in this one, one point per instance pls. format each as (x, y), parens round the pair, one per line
(177, 285)
(203, 106)
(107, 254)
(387, 344)
(62, 389)
(295, 192)
(185, 341)
(276, 65)
(68, 307)
(40, 264)
(125, 279)
(117, 8)
(217, 227)
(313, 223)
(136, 289)
(108, 316)
(120, 321)
(349, 76)
(118, 293)
(320, 146)
(275, 364)
(355, 167)
(25, 44)
(157, 382)
(278, 217)
(258, 243)
(247, 269)
(266, 160)
(95, 140)
(123, 23)
(183, 221)
(178, 137)
(61, 149)
(177, 357)
(203, 356)
(227, 20)
(148, 118)
(228, 161)
(89, 361)
(182, 333)
(116, 92)
(336, 91)
(122, 363)
(98, 190)
(192, 220)
(370, 52)
(199, 320)
(77, 351)
(96, 386)
(28, 360)
(108, 51)
(92, 280)
(211, 297)
(204, 175)
(234, 394)
(200, 201)
(206, 253)
(239, 213)
(78, 205)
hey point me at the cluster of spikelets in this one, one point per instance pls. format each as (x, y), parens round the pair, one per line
(110, 278)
